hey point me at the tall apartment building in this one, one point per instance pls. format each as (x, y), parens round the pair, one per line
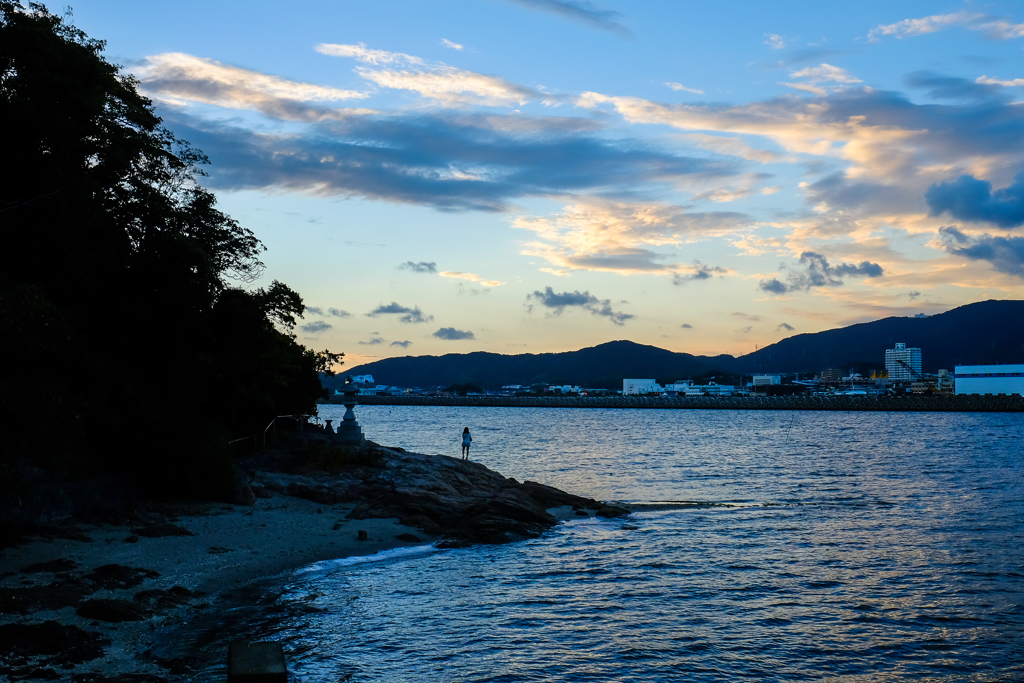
(896, 369)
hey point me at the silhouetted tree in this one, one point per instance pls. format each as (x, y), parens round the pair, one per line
(123, 321)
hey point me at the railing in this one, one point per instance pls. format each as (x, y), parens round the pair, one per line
(273, 423)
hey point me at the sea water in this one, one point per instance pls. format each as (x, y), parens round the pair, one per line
(826, 545)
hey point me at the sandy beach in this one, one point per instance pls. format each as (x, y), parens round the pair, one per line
(88, 596)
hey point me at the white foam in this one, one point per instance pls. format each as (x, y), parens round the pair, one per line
(383, 555)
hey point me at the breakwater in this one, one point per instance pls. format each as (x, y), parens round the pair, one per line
(953, 404)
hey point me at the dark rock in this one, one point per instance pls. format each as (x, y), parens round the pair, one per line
(56, 644)
(582, 513)
(611, 511)
(241, 491)
(163, 600)
(260, 491)
(114, 611)
(66, 592)
(362, 535)
(337, 525)
(408, 538)
(114, 576)
(93, 677)
(161, 530)
(132, 539)
(60, 565)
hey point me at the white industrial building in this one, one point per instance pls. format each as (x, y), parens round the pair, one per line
(767, 380)
(639, 387)
(989, 379)
(897, 361)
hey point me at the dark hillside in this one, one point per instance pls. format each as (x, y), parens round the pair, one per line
(980, 333)
(602, 365)
(985, 332)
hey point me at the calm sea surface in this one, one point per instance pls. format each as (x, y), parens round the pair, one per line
(842, 546)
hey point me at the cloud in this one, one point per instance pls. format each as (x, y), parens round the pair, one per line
(731, 146)
(450, 44)
(314, 310)
(785, 326)
(996, 29)
(686, 326)
(621, 237)
(420, 267)
(819, 273)
(1006, 254)
(1015, 83)
(404, 344)
(472, 278)
(775, 41)
(916, 27)
(913, 295)
(825, 73)
(407, 315)
(745, 330)
(557, 303)
(175, 77)
(970, 199)
(315, 327)
(580, 10)
(450, 163)
(363, 54)
(699, 271)
(680, 86)
(338, 313)
(452, 334)
(374, 341)
(746, 316)
(455, 87)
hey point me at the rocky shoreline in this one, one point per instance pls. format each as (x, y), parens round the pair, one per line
(84, 598)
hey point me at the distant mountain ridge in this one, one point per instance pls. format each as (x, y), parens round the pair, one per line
(980, 333)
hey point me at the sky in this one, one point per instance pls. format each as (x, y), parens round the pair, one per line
(530, 176)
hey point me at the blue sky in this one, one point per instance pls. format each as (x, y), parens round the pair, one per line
(543, 175)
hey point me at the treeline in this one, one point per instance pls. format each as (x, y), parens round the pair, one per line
(133, 336)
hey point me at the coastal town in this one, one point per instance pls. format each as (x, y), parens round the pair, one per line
(903, 375)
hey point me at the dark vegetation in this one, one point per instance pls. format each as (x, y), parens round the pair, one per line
(979, 333)
(133, 337)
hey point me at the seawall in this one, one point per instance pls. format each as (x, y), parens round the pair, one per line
(951, 404)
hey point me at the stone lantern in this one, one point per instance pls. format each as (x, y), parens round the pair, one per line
(349, 432)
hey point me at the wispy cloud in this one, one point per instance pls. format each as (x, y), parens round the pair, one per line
(996, 29)
(364, 54)
(915, 27)
(580, 10)
(406, 314)
(419, 267)
(404, 344)
(315, 327)
(1013, 83)
(452, 334)
(338, 313)
(686, 326)
(819, 272)
(471, 277)
(679, 86)
(785, 326)
(825, 73)
(449, 44)
(373, 341)
(775, 41)
(557, 303)
(699, 271)
(621, 237)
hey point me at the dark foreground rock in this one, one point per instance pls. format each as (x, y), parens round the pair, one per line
(461, 500)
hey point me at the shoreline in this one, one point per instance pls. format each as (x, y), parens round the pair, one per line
(90, 595)
(912, 403)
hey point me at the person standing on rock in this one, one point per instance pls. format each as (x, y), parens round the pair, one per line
(466, 439)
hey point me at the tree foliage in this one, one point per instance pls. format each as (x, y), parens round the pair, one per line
(127, 313)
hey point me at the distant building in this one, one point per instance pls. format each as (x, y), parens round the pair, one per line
(989, 379)
(679, 386)
(767, 380)
(363, 379)
(711, 389)
(831, 375)
(637, 387)
(897, 360)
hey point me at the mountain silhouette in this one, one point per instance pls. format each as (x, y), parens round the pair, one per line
(980, 333)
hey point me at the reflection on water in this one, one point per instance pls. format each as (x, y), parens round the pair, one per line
(862, 546)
